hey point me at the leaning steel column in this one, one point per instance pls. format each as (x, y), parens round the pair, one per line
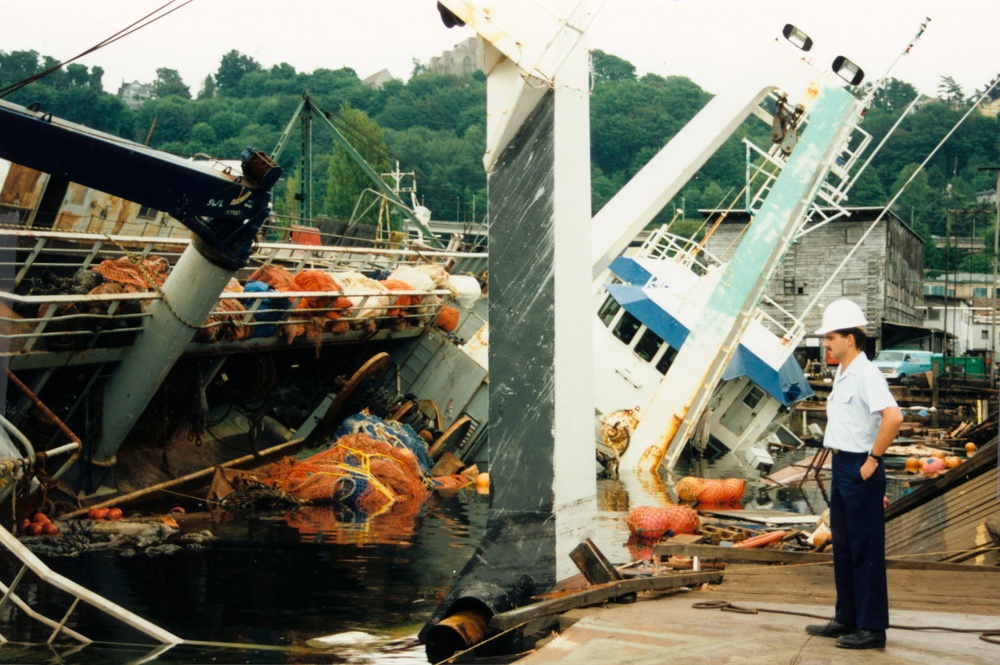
(189, 295)
(541, 445)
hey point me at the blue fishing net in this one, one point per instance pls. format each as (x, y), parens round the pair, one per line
(262, 313)
(397, 434)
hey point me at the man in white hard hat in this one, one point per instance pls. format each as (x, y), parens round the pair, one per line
(862, 421)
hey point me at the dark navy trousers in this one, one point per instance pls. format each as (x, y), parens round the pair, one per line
(857, 520)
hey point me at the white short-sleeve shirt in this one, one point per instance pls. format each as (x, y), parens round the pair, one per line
(854, 407)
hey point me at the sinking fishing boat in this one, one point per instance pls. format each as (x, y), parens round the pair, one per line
(655, 391)
(136, 354)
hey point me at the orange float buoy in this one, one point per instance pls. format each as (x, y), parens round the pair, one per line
(938, 454)
(688, 488)
(951, 461)
(647, 522)
(761, 540)
(931, 466)
(970, 449)
(913, 465)
(681, 519)
(483, 483)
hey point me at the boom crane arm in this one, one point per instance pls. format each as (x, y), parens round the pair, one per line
(223, 210)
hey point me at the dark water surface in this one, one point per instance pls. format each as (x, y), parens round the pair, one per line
(269, 581)
(279, 581)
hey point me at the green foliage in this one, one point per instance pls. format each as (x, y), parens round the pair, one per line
(347, 179)
(980, 262)
(232, 70)
(434, 126)
(611, 67)
(168, 82)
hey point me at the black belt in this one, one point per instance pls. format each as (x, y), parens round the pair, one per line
(836, 451)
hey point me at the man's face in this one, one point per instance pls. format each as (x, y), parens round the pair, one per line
(836, 344)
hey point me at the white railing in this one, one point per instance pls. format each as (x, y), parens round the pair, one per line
(31, 562)
(33, 324)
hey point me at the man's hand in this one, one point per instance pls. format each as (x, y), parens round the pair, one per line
(868, 468)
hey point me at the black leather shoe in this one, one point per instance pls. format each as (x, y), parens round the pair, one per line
(863, 639)
(832, 629)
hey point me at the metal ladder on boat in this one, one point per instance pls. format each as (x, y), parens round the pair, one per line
(46, 575)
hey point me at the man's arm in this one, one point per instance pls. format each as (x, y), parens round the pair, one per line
(892, 418)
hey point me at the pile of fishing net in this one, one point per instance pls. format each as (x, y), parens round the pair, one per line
(711, 491)
(395, 433)
(370, 465)
(134, 274)
(226, 324)
(358, 471)
(315, 314)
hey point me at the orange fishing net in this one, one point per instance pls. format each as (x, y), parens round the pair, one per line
(277, 277)
(139, 274)
(447, 319)
(400, 303)
(359, 471)
(226, 324)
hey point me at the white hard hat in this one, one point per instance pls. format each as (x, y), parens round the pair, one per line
(840, 315)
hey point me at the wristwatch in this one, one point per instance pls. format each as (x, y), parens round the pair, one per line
(877, 458)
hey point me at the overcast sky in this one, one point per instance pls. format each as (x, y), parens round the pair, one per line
(705, 40)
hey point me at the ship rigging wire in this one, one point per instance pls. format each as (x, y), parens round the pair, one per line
(137, 25)
(809, 309)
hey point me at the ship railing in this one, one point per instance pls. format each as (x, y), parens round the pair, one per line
(30, 562)
(59, 250)
(334, 257)
(662, 244)
(75, 323)
(788, 327)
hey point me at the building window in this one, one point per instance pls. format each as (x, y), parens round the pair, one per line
(850, 287)
(666, 360)
(146, 212)
(608, 311)
(792, 289)
(933, 315)
(979, 292)
(626, 329)
(984, 334)
(934, 290)
(648, 345)
(852, 234)
(753, 398)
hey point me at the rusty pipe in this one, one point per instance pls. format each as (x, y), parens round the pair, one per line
(54, 420)
(456, 633)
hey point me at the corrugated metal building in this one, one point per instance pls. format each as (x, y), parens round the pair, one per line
(885, 275)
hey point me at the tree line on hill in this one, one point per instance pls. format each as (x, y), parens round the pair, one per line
(434, 126)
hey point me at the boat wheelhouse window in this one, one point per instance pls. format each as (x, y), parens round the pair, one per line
(608, 311)
(753, 397)
(666, 360)
(647, 346)
(626, 329)
(146, 212)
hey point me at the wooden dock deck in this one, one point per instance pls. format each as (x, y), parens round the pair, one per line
(667, 628)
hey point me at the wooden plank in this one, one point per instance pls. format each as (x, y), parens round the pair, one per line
(764, 516)
(592, 564)
(735, 555)
(599, 594)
